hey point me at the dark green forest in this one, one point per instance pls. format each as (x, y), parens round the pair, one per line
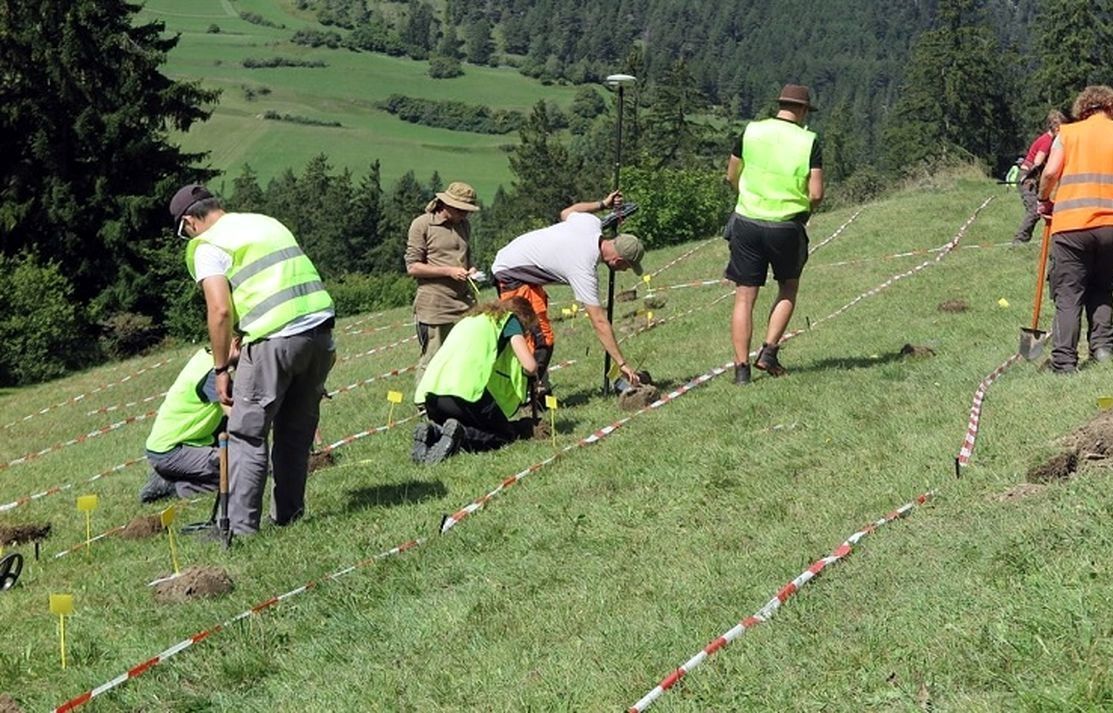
(89, 269)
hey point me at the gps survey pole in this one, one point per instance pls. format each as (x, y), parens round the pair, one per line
(619, 82)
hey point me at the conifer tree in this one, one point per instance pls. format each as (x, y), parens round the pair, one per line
(1072, 40)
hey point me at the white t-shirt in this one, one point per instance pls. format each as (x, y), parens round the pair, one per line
(565, 253)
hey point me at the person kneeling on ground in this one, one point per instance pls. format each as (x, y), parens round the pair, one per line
(182, 448)
(476, 381)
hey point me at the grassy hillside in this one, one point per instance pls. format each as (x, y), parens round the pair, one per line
(582, 587)
(344, 91)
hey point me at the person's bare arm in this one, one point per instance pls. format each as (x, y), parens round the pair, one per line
(815, 187)
(734, 170)
(590, 206)
(525, 355)
(218, 315)
(1052, 170)
(605, 334)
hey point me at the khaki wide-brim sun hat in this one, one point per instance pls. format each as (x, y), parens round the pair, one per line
(459, 195)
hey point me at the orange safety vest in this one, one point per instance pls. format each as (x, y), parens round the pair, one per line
(1084, 198)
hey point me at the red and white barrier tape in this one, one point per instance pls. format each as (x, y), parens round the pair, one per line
(87, 394)
(347, 329)
(79, 439)
(68, 486)
(377, 350)
(139, 669)
(365, 382)
(684, 256)
(672, 318)
(376, 330)
(766, 612)
(179, 504)
(910, 253)
(837, 232)
(129, 404)
(967, 449)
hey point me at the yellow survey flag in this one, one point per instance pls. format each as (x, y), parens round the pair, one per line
(567, 312)
(1105, 402)
(61, 605)
(647, 278)
(649, 318)
(87, 504)
(614, 371)
(394, 397)
(551, 404)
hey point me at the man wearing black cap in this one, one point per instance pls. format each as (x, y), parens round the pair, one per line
(777, 168)
(260, 285)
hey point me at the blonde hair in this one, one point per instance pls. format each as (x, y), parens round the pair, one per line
(518, 306)
(1055, 119)
(1092, 99)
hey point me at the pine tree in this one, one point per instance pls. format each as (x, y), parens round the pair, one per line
(671, 137)
(247, 196)
(365, 219)
(544, 174)
(478, 46)
(1072, 40)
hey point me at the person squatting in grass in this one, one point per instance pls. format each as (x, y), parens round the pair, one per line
(777, 169)
(567, 253)
(476, 382)
(438, 256)
(181, 448)
(1080, 171)
(259, 284)
(1030, 169)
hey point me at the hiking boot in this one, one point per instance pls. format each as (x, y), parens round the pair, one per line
(425, 435)
(741, 374)
(1020, 241)
(157, 488)
(452, 433)
(1101, 354)
(767, 361)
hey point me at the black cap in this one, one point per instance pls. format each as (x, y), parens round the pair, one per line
(186, 198)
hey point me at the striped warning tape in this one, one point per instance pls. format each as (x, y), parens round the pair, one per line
(967, 449)
(376, 330)
(87, 394)
(910, 253)
(365, 382)
(129, 404)
(377, 350)
(140, 669)
(837, 232)
(68, 486)
(348, 328)
(766, 612)
(79, 439)
(180, 505)
(653, 324)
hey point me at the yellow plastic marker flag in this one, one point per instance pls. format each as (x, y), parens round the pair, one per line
(61, 605)
(1002, 302)
(394, 397)
(647, 278)
(566, 311)
(614, 371)
(167, 517)
(1105, 402)
(648, 319)
(551, 404)
(87, 504)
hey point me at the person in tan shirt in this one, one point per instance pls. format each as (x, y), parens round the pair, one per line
(438, 256)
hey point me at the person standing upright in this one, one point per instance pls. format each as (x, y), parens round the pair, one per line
(777, 168)
(259, 284)
(1080, 171)
(1030, 169)
(438, 256)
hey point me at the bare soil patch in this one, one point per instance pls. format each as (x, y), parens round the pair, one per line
(194, 583)
(1058, 467)
(638, 397)
(23, 534)
(542, 431)
(143, 527)
(953, 306)
(626, 296)
(1018, 492)
(321, 459)
(914, 351)
(1091, 442)
(7, 705)
(655, 302)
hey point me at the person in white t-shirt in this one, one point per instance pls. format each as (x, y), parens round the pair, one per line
(568, 253)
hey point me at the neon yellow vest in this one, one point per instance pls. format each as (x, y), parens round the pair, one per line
(273, 282)
(466, 365)
(775, 164)
(184, 416)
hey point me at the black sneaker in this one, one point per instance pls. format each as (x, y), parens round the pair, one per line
(425, 435)
(767, 361)
(157, 488)
(452, 433)
(741, 373)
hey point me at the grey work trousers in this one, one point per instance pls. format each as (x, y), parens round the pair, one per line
(1081, 279)
(278, 386)
(192, 469)
(430, 337)
(1029, 198)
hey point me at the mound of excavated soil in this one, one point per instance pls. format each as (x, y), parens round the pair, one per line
(1018, 492)
(626, 296)
(542, 431)
(914, 351)
(638, 397)
(1059, 467)
(23, 534)
(1094, 440)
(142, 527)
(655, 302)
(7, 705)
(953, 306)
(321, 459)
(194, 583)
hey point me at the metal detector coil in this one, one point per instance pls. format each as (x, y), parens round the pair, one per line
(10, 569)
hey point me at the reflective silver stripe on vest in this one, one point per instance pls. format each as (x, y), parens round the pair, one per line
(249, 271)
(290, 293)
(1084, 203)
(1086, 178)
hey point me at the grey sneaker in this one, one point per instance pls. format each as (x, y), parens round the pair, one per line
(1101, 354)
(157, 488)
(741, 374)
(425, 435)
(452, 433)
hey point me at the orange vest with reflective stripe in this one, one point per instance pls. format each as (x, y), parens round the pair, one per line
(1084, 198)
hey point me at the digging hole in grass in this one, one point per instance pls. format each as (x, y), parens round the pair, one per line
(953, 306)
(194, 583)
(23, 534)
(915, 351)
(1093, 441)
(320, 460)
(142, 527)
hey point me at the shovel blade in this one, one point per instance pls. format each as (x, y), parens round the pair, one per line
(1032, 342)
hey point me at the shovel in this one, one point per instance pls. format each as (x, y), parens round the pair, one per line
(1032, 339)
(224, 529)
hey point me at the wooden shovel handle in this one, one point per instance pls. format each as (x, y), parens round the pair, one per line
(222, 441)
(1044, 246)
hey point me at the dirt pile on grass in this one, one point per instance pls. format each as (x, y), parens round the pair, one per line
(913, 351)
(638, 397)
(194, 583)
(542, 431)
(321, 459)
(953, 306)
(1091, 442)
(142, 527)
(626, 296)
(7, 705)
(655, 302)
(23, 534)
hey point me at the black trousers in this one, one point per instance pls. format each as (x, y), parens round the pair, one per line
(1081, 280)
(486, 427)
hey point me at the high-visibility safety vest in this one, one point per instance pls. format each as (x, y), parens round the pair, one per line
(466, 365)
(186, 417)
(1084, 198)
(273, 282)
(776, 158)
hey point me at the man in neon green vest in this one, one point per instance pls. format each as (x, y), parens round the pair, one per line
(260, 285)
(181, 448)
(777, 168)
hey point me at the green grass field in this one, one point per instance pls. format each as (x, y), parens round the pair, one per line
(583, 586)
(345, 91)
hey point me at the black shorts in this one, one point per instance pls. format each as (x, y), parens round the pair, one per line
(755, 245)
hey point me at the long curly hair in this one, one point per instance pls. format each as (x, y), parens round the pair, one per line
(1092, 99)
(518, 306)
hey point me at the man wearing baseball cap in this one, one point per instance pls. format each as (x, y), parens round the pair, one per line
(568, 253)
(777, 168)
(260, 285)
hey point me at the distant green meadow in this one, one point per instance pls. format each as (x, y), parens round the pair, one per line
(345, 91)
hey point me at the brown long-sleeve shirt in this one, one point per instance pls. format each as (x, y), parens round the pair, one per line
(440, 300)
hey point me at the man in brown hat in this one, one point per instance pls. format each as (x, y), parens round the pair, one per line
(777, 168)
(438, 256)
